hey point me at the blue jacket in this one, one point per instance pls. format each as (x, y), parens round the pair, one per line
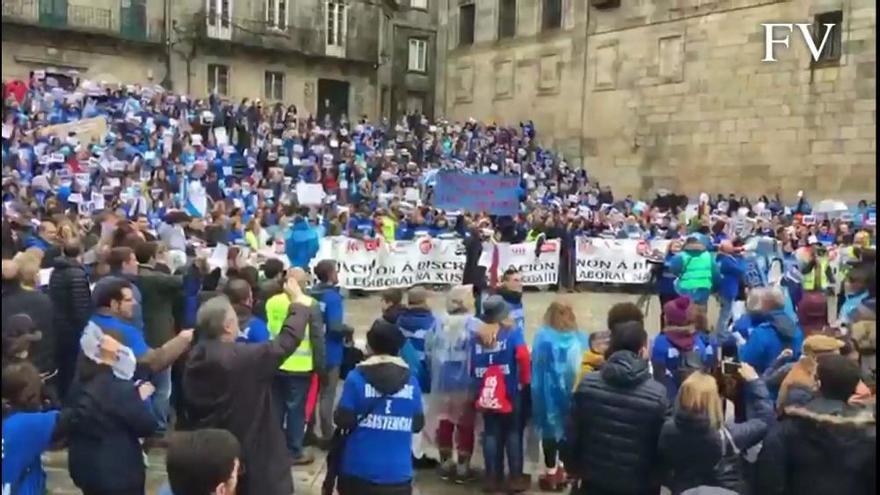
(334, 329)
(417, 324)
(774, 331)
(509, 343)
(666, 281)
(28, 435)
(732, 269)
(302, 245)
(667, 356)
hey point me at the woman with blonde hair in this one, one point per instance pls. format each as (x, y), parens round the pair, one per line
(697, 447)
(254, 234)
(556, 359)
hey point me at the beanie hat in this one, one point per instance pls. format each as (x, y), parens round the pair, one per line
(495, 309)
(677, 312)
(812, 314)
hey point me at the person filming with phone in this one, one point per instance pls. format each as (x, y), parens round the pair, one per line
(698, 448)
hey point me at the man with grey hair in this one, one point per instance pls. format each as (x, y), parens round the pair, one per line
(772, 330)
(228, 385)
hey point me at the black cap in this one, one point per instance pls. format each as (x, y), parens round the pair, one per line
(21, 326)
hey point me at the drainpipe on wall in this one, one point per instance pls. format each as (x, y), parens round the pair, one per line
(167, 82)
(584, 85)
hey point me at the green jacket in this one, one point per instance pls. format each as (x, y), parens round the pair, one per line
(697, 272)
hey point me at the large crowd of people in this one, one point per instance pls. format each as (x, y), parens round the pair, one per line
(122, 334)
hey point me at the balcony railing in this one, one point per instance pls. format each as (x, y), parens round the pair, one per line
(59, 14)
(262, 34)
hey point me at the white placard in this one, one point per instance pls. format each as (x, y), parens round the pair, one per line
(309, 194)
(615, 261)
(220, 136)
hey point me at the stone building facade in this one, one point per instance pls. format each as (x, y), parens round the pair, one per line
(320, 55)
(673, 93)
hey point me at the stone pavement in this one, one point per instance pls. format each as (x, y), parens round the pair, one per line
(591, 309)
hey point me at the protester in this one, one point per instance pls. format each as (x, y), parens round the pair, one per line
(825, 446)
(203, 462)
(123, 265)
(557, 350)
(26, 298)
(302, 245)
(616, 416)
(251, 328)
(696, 270)
(392, 305)
(72, 304)
(336, 333)
(418, 323)
(594, 356)
(228, 385)
(501, 366)
(294, 378)
(773, 330)
(732, 270)
(678, 351)
(27, 430)
(451, 402)
(111, 414)
(381, 405)
(697, 447)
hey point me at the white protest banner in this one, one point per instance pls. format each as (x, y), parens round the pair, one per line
(534, 268)
(309, 194)
(376, 265)
(615, 261)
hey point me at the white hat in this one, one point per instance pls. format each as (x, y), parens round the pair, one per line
(812, 240)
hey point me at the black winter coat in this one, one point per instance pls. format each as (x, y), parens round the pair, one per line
(39, 307)
(72, 300)
(617, 413)
(228, 385)
(107, 420)
(689, 448)
(825, 447)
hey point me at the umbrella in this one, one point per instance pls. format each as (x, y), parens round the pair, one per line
(830, 206)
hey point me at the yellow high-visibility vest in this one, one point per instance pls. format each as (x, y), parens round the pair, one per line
(301, 361)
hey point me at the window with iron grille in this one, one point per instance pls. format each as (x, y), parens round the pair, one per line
(506, 19)
(218, 79)
(337, 22)
(833, 47)
(274, 85)
(552, 14)
(466, 22)
(276, 14)
(418, 55)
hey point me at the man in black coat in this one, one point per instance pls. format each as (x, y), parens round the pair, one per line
(825, 446)
(228, 385)
(617, 413)
(72, 300)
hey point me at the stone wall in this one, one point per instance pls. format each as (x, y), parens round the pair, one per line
(679, 98)
(536, 75)
(673, 93)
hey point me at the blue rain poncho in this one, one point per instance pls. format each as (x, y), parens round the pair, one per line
(448, 356)
(556, 359)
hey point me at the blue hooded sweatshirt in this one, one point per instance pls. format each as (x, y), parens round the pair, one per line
(773, 332)
(302, 245)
